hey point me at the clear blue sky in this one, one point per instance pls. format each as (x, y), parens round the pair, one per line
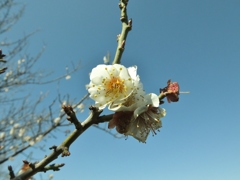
(196, 43)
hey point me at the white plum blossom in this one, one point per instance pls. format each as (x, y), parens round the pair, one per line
(26, 138)
(39, 138)
(2, 135)
(21, 132)
(112, 84)
(50, 176)
(67, 77)
(119, 88)
(81, 107)
(39, 119)
(139, 122)
(12, 131)
(16, 125)
(21, 61)
(148, 121)
(31, 143)
(57, 120)
(146, 118)
(9, 73)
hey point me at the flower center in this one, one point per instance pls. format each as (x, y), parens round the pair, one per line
(114, 86)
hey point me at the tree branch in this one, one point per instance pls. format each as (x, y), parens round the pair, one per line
(63, 149)
(43, 133)
(126, 27)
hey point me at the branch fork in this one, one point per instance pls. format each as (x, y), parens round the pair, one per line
(72, 116)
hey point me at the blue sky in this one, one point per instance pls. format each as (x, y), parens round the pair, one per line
(196, 43)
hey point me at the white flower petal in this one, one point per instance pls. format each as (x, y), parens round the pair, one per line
(135, 100)
(137, 133)
(57, 120)
(2, 135)
(97, 80)
(152, 99)
(11, 131)
(21, 132)
(16, 125)
(99, 71)
(133, 71)
(139, 111)
(26, 138)
(39, 138)
(146, 118)
(80, 106)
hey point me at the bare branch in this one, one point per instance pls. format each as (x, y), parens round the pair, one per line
(63, 149)
(126, 27)
(36, 134)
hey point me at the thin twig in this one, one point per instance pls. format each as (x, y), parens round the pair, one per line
(126, 27)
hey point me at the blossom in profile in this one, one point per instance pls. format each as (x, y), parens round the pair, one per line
(139, 122)
(112, 84)
(146, 122)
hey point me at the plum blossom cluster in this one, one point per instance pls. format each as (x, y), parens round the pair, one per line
(119, 88)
